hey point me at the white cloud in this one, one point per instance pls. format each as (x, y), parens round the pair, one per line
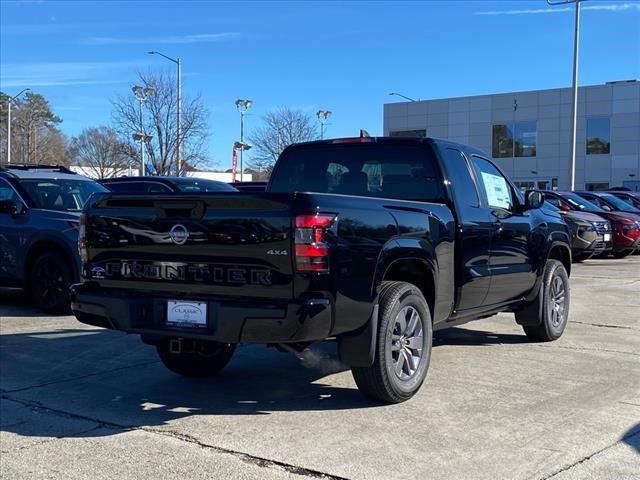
(167, 39)
(611, 7)
(63, 73)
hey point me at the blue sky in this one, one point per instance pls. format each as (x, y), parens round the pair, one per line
(344, 57)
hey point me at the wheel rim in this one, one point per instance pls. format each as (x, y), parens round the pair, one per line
(407, 343)
(50, 282)
(557, 301)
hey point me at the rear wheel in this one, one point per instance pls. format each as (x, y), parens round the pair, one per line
(49, 282)
(554, 311)
(194, 359)
(403, 345)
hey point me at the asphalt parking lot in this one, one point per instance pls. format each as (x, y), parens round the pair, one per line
(79, 402)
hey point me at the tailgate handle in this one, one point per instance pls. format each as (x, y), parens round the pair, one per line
(164, 209)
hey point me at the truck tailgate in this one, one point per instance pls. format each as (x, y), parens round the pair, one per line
(227, 244)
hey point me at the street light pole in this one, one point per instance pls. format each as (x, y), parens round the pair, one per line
(403, 96)
(323, 116)
(242, 105)
(9, 102)
(178, 63)
(142, 94)
(574, 113)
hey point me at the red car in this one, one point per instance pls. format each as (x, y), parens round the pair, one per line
(625, 226)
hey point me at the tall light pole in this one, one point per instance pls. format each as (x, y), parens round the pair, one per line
(9, 102)
(323, 116)
(242, 105)
(142, 94)
(574, 116)
(178, 63)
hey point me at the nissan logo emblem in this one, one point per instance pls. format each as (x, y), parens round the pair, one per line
(179, 234)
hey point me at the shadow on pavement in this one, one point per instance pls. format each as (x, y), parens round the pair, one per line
(632, 437)
(112, 378)
(13, 303)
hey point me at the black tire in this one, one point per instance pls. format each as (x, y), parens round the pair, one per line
(391, 378)
(622, 254)
(555, 295)
(196, 359)
(49, 281)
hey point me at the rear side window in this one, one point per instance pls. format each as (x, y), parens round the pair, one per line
(401, 171)
(462, 184)
(495, 186)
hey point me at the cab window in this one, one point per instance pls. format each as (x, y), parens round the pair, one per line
(496, 188)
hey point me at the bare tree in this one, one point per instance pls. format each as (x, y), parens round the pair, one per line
(280, 128)
(101, 151)
(159, 113)
(35, 137)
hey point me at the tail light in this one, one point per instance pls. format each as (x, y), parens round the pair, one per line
(312, 250)
(82, 239)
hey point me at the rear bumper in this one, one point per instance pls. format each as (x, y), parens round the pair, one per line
(228, 320)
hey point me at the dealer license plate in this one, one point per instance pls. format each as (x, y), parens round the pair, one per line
(186, 314)
(607, 237)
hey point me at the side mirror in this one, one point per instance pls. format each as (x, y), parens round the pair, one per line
(8, 206)
(533, 199)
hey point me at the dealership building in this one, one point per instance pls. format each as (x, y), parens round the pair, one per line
(528, 134)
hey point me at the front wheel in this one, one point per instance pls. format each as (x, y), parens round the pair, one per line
(622, 254)
(554, 311)
(195, 359)
(403, 345)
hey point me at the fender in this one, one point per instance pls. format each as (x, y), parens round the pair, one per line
(357, 349)
(554, 240)
(54, 238)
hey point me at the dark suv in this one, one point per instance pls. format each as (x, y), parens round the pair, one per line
(39, 220)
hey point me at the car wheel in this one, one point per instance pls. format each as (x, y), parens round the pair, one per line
(49, 281)
(622, 254)
(555, 296)
(403, 345)
(195, 359)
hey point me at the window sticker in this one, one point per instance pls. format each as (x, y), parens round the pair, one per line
(497, 191)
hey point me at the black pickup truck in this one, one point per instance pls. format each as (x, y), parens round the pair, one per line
(373, 241)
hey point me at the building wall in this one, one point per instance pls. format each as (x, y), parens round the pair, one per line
(470, 119)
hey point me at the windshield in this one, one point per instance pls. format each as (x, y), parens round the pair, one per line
(202, 185)
(619, 204)
(58, 194)
(580, 203)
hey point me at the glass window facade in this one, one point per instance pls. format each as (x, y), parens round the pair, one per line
(514, 140)
(598, 136)
(409, 133)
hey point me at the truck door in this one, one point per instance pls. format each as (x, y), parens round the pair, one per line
(510, 265)
(473, 233)
(10, 238)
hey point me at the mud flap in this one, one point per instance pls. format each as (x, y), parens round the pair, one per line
(357, 349)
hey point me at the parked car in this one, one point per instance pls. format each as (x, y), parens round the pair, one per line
(39, 221)
(165, 184)
(610, 202)
(632, 198)
(250, 186)
(590, 234)
(374, 241)
(625, 226)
